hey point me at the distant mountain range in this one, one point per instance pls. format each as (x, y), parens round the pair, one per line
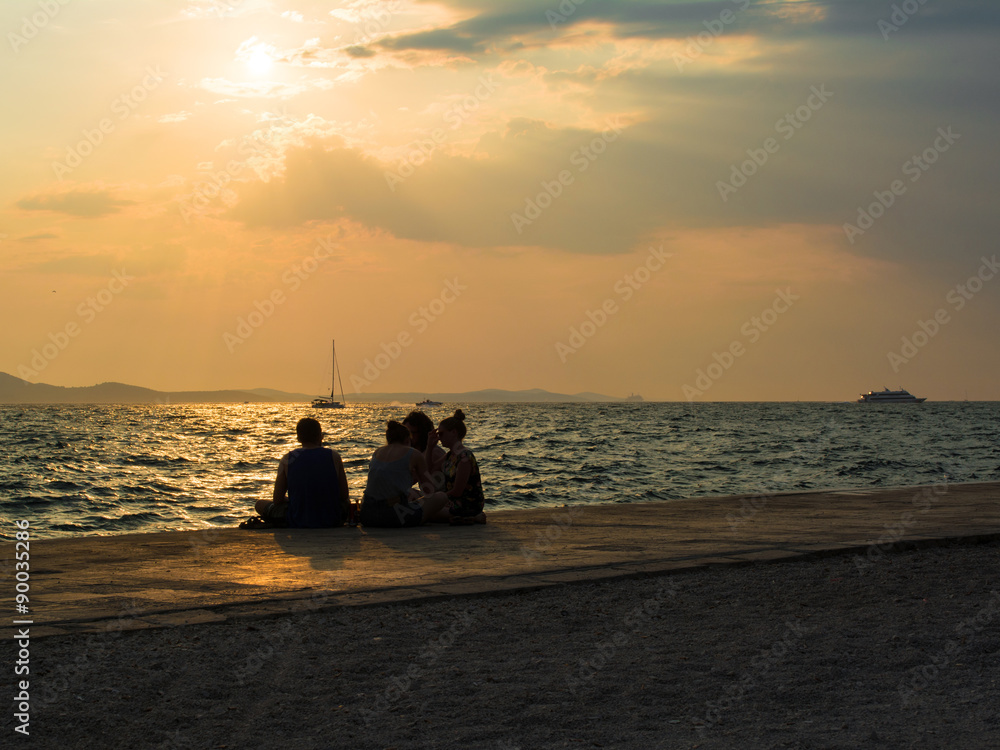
(16, 391)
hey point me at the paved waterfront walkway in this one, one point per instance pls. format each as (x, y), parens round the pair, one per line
(138, 581)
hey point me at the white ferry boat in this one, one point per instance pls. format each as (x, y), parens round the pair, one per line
(885, 396)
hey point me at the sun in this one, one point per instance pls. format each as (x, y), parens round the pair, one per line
(258, 56)
(260, 62)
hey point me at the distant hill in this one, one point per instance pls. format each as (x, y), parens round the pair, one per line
(14, 390)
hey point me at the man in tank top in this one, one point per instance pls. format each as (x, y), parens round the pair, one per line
(310, 491)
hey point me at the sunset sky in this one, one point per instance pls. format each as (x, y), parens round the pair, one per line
(769, 200)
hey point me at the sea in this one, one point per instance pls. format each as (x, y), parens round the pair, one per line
(72, 470)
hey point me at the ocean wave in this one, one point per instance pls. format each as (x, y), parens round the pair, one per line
(61, 484)
(146, 459)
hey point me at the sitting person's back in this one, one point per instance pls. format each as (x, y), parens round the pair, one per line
(313, 489)
(314, 481)
(388, 500)
(389, 474)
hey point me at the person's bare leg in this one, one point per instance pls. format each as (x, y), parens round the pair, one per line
(435, 506)
(261, 507)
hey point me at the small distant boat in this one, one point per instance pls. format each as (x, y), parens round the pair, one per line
(428, 402)
(634, 397)
(885, 396)
(331, 402)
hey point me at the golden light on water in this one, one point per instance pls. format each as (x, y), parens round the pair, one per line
(102, 469)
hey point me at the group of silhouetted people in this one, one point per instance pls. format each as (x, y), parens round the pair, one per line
(411, 479)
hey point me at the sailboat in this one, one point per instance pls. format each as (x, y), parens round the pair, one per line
(331, 402)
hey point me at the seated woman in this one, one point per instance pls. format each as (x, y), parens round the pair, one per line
(389, 500)
(420, 427)
(463, 485)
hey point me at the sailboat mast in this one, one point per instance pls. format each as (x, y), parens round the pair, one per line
(333, 371)
(336, 368)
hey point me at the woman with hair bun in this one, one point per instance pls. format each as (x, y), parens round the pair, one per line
(420, 427)
(389, 499)
(463, 484)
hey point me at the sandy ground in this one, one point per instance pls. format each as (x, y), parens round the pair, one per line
(802, 654)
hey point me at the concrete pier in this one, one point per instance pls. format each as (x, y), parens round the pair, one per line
(136, 581)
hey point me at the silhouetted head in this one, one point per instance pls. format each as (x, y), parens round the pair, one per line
(419, 425)
(454, 424)
(396, 433)
(308, 430)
